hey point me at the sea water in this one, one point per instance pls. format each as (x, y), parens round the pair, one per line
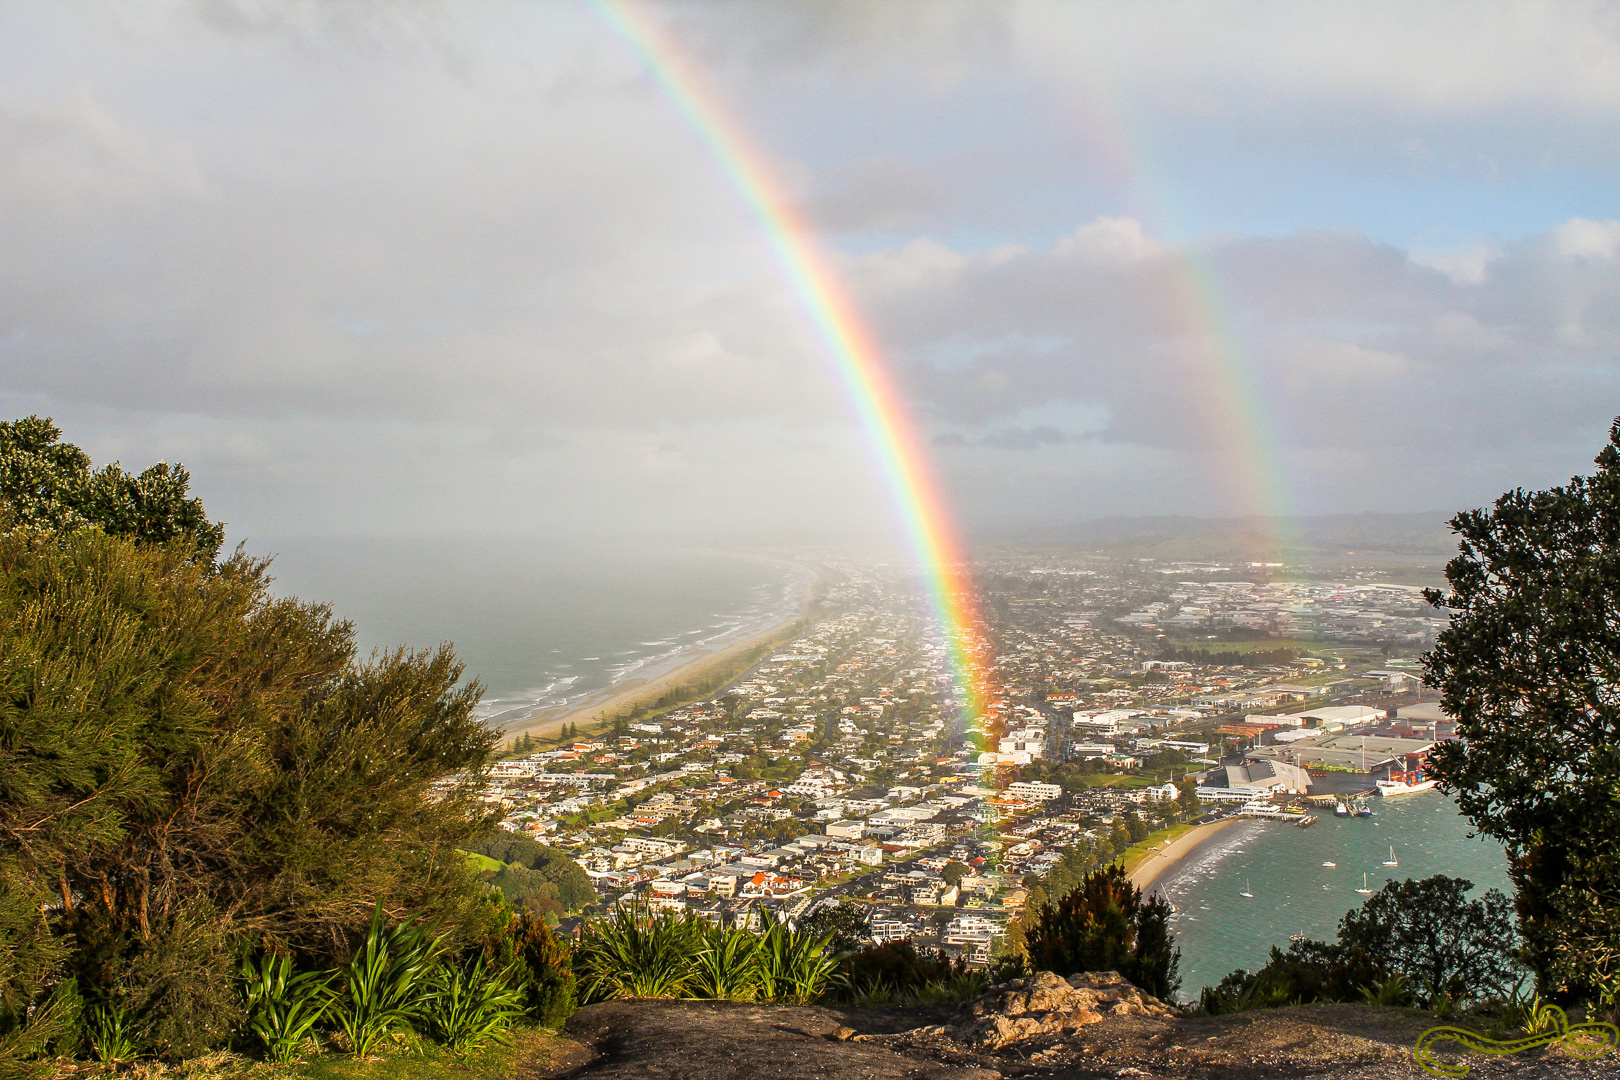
(540, 624)
(1218, 929)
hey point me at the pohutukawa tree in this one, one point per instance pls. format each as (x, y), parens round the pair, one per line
(1530, 669)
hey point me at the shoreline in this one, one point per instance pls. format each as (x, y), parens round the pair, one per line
(683, 667)
(1155, 866)
(631, 692)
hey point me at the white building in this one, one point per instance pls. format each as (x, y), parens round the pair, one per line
(1034, 791)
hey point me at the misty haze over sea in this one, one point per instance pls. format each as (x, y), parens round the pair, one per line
(541, 623)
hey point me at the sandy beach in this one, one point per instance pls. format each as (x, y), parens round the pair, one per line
(685, 667)
(1156, 864)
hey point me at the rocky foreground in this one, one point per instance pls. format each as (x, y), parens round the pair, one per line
(1091, 1025)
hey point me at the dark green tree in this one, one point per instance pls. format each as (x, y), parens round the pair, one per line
(190, 765)
(1105, 924)
(1439, 940)
(845, 922)
(48, 484)
(1187, 796)
(1528, 667)
(1136, 827)
(954, 872)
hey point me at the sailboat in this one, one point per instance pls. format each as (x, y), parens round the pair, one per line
(1246, 891)
(1364, 886)
(1391, 860)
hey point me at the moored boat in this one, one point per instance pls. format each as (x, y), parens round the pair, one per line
(1404, 783)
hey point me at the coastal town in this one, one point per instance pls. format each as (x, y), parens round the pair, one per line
(1133, 702)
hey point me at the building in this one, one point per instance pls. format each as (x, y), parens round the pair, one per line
(1261, 776)
(1034, 791)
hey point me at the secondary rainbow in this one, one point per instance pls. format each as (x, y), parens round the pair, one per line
(860, 363)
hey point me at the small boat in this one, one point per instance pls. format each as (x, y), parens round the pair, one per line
(1307, 821)
(1246, 892)
(1391, 860)
(1364, 887)
(1362, 809)
(1341, 808)
(1332, 864)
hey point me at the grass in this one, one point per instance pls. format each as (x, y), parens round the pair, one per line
(480, 863)
(1137, 854)
(530, 1051)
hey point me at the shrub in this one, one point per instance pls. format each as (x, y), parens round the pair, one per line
(1440, 941)
(1105, 924)
(471, 1004)
(794, 966)
(283, 1007)
(635, 954)
(844, 924)
(543, 966)
(727, 967)
(386, 985)
(1309, 971)
(894, 968)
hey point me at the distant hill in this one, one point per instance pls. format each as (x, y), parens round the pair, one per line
(1406, 536)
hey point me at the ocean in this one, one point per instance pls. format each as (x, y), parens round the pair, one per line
(541, 623)
(1218, 929)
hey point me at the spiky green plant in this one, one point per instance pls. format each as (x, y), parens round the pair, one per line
(471, 1005)
(633, 953)
(950, 990)
(1393, 991)
(283, 1006)
(386, 984)
(794, 966)
(726, 968)
(108, 1030)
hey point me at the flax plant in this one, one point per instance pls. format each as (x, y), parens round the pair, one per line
(636, 954)
(387, 983)
(283, 1006)
(727, 968)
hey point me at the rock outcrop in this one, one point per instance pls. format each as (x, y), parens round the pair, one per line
(1046, 1006)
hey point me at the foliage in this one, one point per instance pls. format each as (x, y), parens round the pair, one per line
(191, 762)
(1430, 933)
(1309, 971)
(632, 953)
(283, 1007)
(894, 971)
(727, 966)
(1105, 924)
(844, 924)
(107, 1031)
(386, 983)
(1411, 940)
(48, 484)
(470, 1004)
(794, 966)
(543, 963)
(535, 871)
(1528, 668)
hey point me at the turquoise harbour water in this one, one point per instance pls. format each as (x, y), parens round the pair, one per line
(1218, 929)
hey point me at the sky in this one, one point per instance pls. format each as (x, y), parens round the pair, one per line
(440, 269)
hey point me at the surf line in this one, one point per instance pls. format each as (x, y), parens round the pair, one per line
(865, 373)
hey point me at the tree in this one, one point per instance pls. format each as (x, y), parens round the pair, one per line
(1529, 667)
(48, 484)
(846, 924)
(954, 872)
(1120, 835)
(1187, 796)
(192, 766)
(1105, 924)
(1135, 827)
(1442, 942)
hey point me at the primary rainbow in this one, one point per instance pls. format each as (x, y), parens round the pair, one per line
(860, 362)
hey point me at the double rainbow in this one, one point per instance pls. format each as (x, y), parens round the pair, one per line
(861, 366)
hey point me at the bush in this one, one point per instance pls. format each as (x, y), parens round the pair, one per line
(894, 971)
(471, 1004)
(843, 924)
(1412, 940)
(532, 867)
(283, 1007)
(386, 984)
(1105, 924)
(543, 963)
